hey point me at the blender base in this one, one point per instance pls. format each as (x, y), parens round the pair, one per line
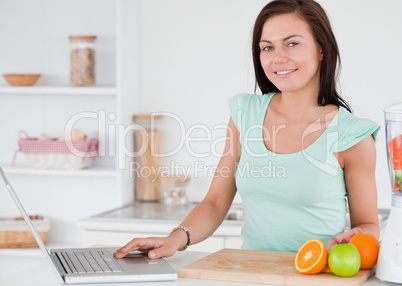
(389, 264)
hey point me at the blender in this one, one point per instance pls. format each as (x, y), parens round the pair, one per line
(389, 265)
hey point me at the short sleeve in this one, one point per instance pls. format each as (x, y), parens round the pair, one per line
(237, 106)
(358, 130)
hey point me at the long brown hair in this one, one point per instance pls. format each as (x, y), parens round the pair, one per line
(317, 19)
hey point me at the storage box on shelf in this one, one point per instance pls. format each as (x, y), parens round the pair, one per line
(55, 154)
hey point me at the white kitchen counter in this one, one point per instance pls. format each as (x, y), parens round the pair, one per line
(29, 268)
(150, 226)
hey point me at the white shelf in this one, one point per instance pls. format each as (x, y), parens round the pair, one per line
(108, 172)
(78, 90)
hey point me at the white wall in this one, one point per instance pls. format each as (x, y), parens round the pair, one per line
(196, 54)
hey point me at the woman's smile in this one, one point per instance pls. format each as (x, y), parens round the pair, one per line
(285, 73)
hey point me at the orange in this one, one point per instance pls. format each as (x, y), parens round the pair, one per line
(368, 247)
(312, 257)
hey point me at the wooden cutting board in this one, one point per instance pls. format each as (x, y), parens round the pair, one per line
(262, 267)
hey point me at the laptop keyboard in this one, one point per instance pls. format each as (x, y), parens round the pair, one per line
(94, 261)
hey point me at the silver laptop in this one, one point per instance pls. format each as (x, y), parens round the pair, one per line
(96, 265)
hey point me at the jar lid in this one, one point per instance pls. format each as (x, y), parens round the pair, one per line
(175, 179)
(146, 116)
(82, 37)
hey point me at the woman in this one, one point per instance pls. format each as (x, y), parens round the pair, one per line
(323, 155)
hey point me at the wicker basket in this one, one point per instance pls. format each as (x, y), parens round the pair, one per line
(14, 232)
(54, 154)
(22, 79)
(19, 239)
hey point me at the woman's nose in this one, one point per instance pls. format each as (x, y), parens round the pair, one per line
(279, 56)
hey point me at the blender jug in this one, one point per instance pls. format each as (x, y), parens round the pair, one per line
(389, 265)
(393, 129)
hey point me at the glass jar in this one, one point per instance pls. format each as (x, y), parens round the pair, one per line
(82, 58)
(147, 147)
(174, 190)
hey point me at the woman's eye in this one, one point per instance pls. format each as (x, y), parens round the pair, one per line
(267, 48)
(293, 44)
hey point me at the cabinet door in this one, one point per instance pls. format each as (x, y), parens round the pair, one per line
(233, 242)
(211, 244)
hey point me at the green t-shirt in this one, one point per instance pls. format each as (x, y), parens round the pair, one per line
(291, 198)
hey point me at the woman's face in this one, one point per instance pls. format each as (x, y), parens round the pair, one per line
(289, 54)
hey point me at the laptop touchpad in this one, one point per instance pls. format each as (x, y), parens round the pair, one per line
(134, 258)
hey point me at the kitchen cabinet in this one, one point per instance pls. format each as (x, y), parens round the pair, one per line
(233, 242)
(47, 106)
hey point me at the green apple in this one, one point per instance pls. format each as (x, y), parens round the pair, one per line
(398, 176)
(344, 260)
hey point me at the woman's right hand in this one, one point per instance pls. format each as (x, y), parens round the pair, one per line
(155, 246)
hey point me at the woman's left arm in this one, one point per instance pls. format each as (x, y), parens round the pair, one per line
(359, 168)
